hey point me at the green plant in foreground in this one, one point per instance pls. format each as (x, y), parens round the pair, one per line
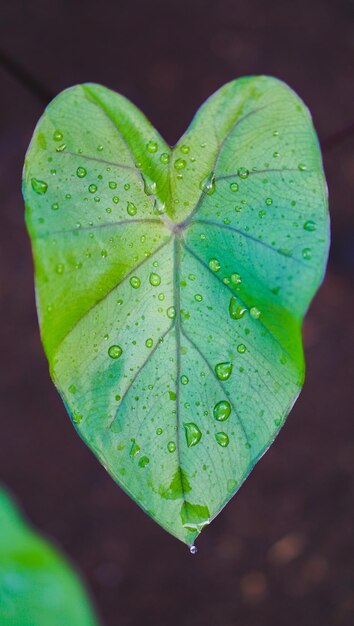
(172, 283)
(37, 586)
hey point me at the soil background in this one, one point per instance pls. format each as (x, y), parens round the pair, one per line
(282, 551)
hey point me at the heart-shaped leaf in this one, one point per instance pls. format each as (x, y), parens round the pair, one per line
(172, 283)
(37, 586)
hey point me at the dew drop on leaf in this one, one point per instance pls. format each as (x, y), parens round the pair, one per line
(306, 254)
(149, 342)
(193, 549)
(269, 201)
(81, 172)
(165, 158)
(234, 187)
(92, 188)
(243, 172)
(255, 313)
(185, 149)
(171, 446)
(135, 282)
(207, 185)
(193, 434)
(236, 310)
(151, 146)
(154, 279)
(57, 135)
(222, 410)
(180, 164)
(171, 312)
(112, 184)
(222, 439)
(302, 167)
(241, 348)
(135, 449)
(39, 186)
(236, 279)
(131, 208)
(144, 461)
(184, 379)
(61, 148)
(223, 370)
(310, 226)
(115, 351)
(214, 265)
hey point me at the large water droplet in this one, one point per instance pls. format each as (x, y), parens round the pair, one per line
(207, 185)
(171, 312)
(135, 282)
(39, 186)
(310, 226)
(180, 164)
(241, 348)
(165, 158)
(184, 379)
(149, 342)
(255, 313)
(193, 549)
(193, 434)
(159, 206)
(222, 410)
(243, 172)
(155, 279)
(92, 188)
(144, 461)
(81, 172)
(236, 310)
(171, 446)
(222, 439)
(234, 187)
(115, 351)
(151, 146)
(214, 265)
(149, 185)
(131, 208)
(223, 370)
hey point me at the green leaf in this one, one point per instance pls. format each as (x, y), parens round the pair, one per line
(37, 586)
(172, 283)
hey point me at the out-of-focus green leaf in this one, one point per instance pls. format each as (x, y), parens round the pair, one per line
(37, 586)
(172, 283)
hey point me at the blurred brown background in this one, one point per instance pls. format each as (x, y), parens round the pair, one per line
(282, 551)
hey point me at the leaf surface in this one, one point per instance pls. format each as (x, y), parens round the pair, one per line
(37, 586)
(172, 283)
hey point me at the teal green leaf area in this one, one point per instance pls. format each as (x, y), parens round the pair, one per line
(172, 283)
(37, 586)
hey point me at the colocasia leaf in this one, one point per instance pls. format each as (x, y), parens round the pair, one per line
(172, 283)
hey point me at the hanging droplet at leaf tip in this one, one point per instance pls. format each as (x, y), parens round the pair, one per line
(193, 549)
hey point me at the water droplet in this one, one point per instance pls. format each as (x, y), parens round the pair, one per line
(151, 146)
(193, 434)
(222, 439)
(171, 446)
(155, 279)
(115, 199)
(302, 167)
(171, 312)
(269, 201)
(223, 370)
(135, 282)
(39, 186)
(104, 253)
(72, 389)
(99, 148)
(115, 351)
(55, 206)
(234, 186)
(81, 172)
(307, 254)
(207, 185)
(59, 268)
(180, 164)
(198, 297)
(61, 148)
(236, 310)
(214, 265)
(135, 449)
(57, 135)
(149, 342)
(310, 226)
(131, 208)
(159, 206)
(243, 172)
(184, 380)
(144, 461)
(255, 313)
(236, 279)
(159, 431)
(92, 188)
(275, 155)
(185, 149)
(165, 158)
(127, 186)
(222, 410)
(149, 185)
(193, 549)
(241, 348)
(112, 184)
